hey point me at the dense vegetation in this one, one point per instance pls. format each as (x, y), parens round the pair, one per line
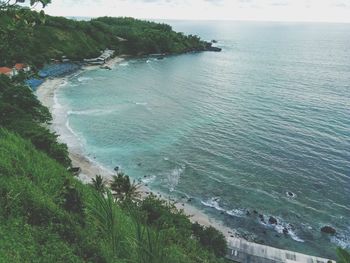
(22, 113)
(46, 215)
(53, 37)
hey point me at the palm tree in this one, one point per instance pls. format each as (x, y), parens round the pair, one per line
(104, 213)
(123, 189)
(99, 184)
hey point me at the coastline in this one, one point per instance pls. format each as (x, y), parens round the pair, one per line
(240, 250)
(46, 93)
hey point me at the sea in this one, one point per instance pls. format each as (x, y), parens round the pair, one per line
(259, 130)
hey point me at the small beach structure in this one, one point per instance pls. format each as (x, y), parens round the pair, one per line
(51, 71)
(58, 70)
(102, 59)
(22, 67)
(10, 72)
(34, 83)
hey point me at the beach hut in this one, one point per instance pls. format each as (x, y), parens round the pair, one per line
(8, 71)
(21, 67)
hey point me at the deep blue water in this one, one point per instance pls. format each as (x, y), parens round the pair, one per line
(235, 130)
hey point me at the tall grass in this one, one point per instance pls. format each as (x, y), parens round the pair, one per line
(104, 213)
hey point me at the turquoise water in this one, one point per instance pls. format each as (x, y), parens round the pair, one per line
(234, 130)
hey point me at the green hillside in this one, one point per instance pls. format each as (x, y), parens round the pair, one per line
(50, 37)
(48, 216)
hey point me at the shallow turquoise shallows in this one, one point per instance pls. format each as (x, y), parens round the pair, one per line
(263, 126)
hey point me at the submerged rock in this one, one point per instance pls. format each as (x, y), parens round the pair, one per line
(272, 220)
(290, 194)
(262, 219)
(328, 230)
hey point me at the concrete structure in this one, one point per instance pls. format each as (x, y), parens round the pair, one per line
(105, 55)
(248, 252)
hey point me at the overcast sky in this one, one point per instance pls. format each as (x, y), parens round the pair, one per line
(270, 10)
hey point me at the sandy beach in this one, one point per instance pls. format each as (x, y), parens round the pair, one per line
(89, 168)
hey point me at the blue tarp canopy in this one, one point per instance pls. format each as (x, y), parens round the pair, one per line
(34, 83)
(57, 70)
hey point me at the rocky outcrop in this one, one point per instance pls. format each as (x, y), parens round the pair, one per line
(328, 230)
(209, 47)
(272, 220)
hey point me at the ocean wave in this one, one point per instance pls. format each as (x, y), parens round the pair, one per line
(214, 203)
(95, 112)
(282, 227)
(173, 178)
(342, 239)
(83, 79)
(125, 64)
(141, 103)
(148, 180)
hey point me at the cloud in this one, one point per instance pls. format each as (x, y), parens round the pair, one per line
(276, 10)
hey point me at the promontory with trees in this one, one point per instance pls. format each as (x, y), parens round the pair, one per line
(46, 214)
(35, 38)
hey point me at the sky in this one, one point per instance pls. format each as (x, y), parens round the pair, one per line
(256, 10)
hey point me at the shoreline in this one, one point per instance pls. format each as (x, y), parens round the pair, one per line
(46, 93)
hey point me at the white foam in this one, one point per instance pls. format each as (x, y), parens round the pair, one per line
(281, 225)
(236, 212)
(148, 180)
(214, 203)
(83, 79)
(141, 103)
(94, 112)
(173, 178)
(342, 239)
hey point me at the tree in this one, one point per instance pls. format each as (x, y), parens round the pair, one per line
(6, 4)
(123, 189)
(99, 184)
(211, 238)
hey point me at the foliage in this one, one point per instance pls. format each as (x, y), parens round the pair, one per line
(211, 238)
(35, 38)
(343, 256)
(104, 213)
(20, 111)
(6, 4)
(46, 215)
(99, 184)
(123, 189)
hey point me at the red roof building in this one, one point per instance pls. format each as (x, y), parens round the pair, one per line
(20, 66)
(5, 70)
